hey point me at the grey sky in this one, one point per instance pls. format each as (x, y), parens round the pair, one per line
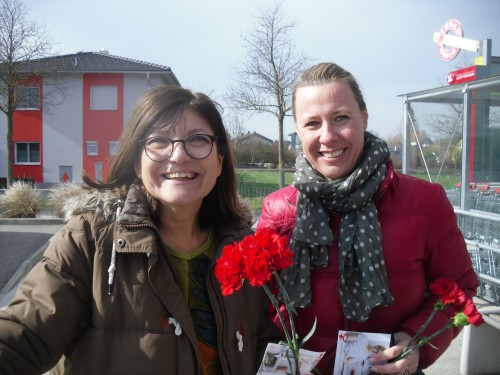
(386, 44)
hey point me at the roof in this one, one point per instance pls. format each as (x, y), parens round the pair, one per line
(454, 93)
(91, 62)
(249, 137)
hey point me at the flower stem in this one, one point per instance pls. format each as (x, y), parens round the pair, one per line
(275, 304)
(286, 301)
(429, 338)
(415, 339)
(415, 344)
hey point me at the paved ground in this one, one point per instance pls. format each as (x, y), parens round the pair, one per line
(18, 243)
(449, 362)
(21, 245)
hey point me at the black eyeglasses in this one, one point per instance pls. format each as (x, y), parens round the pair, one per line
(197, 146)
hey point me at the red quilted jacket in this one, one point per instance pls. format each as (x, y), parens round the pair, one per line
(421, 242)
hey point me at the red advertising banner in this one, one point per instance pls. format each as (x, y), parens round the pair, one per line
(463, 75)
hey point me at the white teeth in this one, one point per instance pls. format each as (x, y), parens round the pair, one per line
(333, 154)
(172, 176)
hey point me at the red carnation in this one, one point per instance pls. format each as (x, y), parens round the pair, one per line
(280, 256)
(448, 291)
(257, 262)
(258, 258)
(473, 316)
(228, 269)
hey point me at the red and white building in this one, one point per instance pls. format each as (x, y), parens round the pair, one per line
(78, 128)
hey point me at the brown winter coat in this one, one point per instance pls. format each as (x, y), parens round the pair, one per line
(63, 307)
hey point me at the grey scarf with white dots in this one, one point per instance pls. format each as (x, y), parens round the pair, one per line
(363, 278)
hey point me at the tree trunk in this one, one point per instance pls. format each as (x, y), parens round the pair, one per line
(281, 154)
(10, 149)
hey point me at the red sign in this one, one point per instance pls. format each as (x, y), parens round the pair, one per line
(463, 75)
(456, 28)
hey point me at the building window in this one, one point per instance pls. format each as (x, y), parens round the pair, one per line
(28, 98)
(92, 148)
(27, 153)
(113, 148)
(103, 98)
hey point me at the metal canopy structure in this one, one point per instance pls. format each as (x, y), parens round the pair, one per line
(479, 100)
(476, 135)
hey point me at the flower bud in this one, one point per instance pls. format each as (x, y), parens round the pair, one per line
(460, 320)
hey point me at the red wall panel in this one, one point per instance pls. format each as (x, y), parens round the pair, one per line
(101, 126)
(28, 127)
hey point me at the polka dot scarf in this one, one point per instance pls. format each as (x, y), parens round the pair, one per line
(362, 273)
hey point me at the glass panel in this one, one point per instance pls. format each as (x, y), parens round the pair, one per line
(21, 152)
(34, 153)
(92, 148)
(435, 137)
(113, 148)
(103, 98)
(28, 98)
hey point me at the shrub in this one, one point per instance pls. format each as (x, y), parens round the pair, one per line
(21, 200)
(60, 194)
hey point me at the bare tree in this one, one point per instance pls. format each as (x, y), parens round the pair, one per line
(21, 41)
(264, 81)
(234, 126)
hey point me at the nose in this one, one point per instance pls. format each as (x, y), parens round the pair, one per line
(179, 152)
(328, 133)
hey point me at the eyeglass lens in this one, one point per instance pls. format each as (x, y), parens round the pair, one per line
(197, 146)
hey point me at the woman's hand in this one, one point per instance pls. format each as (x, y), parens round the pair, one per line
(405, 366)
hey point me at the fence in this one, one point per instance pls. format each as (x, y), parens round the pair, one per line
(480, 225)
(255, 184)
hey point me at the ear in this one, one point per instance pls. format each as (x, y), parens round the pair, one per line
(365, 118)
(138, 170)
(220, 159)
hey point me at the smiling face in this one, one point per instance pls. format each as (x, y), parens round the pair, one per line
(180, 180)
(331, 127)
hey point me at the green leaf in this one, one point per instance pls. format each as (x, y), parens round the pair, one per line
(432, 346)
(311, 332)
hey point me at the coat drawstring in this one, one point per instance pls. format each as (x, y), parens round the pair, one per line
(178, 328)
(239, 337)
(112, 266)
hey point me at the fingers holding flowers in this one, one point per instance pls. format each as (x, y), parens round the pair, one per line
(406, 365)
(449, 295)
(401, 366)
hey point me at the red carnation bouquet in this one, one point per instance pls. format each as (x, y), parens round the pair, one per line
(258, 258)
(449, 295)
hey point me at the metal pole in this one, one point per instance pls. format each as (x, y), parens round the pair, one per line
(406, 128)
(464, 189)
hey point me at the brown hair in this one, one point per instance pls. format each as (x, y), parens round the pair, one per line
(161, 107)
(323, 73)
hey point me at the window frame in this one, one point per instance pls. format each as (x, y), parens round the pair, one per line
(90, 144)
(28, 153)
(28, 98)
(103, 98)
(113, 146)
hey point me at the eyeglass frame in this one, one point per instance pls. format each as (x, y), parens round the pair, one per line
(213, 138)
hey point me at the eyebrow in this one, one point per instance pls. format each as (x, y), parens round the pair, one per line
(191, 132)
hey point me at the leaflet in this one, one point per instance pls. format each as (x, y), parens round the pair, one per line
(354, 350)
(275, 361)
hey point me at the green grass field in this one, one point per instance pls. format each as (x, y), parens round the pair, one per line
(254, 185)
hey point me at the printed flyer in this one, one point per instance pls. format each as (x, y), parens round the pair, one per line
(275, 361)
(355, 348)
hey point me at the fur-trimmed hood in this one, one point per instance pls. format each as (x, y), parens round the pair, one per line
(74, 200)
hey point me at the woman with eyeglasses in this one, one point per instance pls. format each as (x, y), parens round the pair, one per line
(127, 287)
